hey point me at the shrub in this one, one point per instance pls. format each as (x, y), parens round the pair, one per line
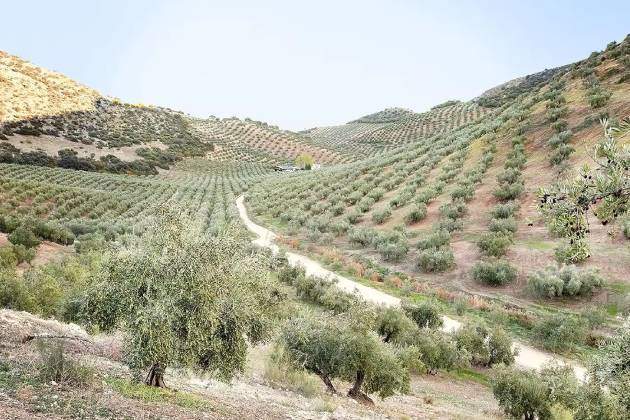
(8, 259)
(436, 259)
(561, 154)
(365, 204)
(381, 215)
(438, 351)
(486, 346)
(24, 236)
(417, 213)
(425, 314)
(426, 195)
(353, 217)
(494, 273)
(435, 239)
(507, 192)
(558, 332)
(450, 225)
(505, 210)
(509, 176)
(494, 244)
(505, 226)
(392, 250)
(560, 125)
(13, 292)
(463, 192)
(362, 235)
(339, 227)
(521, 394)
(565, 281)
(453, 210)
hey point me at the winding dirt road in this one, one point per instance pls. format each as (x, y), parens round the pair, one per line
(528, 357)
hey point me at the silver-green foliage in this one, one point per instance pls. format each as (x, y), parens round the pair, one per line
(184, 298)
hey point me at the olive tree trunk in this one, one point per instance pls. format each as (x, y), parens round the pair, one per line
(356, 393)
(155, 377)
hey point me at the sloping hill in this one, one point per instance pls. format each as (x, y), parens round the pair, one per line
(428, 212)
(43, 113)
(385, 130)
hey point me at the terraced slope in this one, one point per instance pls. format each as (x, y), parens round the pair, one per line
(391, 128)
(256, 141)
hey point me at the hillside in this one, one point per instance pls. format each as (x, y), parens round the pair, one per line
(391, 128)
(424, 216)
(126, 265)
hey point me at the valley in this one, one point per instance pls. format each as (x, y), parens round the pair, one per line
(434, 264)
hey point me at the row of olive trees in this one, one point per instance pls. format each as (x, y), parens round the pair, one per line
(376, 348)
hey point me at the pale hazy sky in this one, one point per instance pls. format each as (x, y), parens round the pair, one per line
(303, 64)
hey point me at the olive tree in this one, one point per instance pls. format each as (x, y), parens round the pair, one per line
(604, 189)
(486, 346)
(338, 348)
(184, 298)
(521, 394)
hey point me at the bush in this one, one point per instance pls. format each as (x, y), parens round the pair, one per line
(381, 215)
(453, 210)
(494, 244)
(425, 314)
(353, 217)
(435, 260)
(508, 192)
(521, 394)
(13, 292)
(8, 259)
(435, 239)
(509, 176)
(504, 211)
(505, 226)
(565, 281)
(24, 236)
(559, 333)
(392, 250)
(561, 154)
(365, 204)
(362, 235)
(494, 273)
(486, 346)
(438, 351)
(417, 213)
(450, 225)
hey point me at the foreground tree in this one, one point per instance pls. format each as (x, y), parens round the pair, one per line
(338, 348)
(605, 190)
(184, 299)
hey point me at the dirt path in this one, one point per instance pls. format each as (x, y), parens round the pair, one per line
(528, 357)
